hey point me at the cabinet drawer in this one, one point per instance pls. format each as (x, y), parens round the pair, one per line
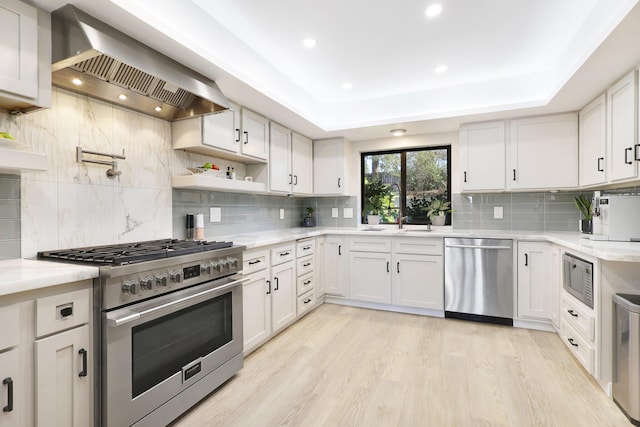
(306, 302)
(305, 283)
(283, 254)
(305, 247)
(583, 351)
(578, 318)
(305, 265)
(64, 311)
(417, 246)
(9, 315)
(371, 244)
(255, 261)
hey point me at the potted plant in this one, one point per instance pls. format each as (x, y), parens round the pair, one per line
(376, 194)
(584, 206)
(309, 220)
(437, 210)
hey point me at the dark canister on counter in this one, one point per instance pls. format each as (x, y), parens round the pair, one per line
(190, 226)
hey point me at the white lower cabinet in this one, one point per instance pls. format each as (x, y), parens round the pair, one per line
(283, 296)
(370, 276)
(256, 308)
(535, 266)
(335, 268)
(12, 386)
(418, 281)
(63, 379)
(578, 330)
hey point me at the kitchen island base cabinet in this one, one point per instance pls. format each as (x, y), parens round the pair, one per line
(64, 379)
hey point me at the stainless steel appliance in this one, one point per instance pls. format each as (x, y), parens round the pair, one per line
(168, 318)
(577, 278)
(626, 359)
(478, 279)
(616, 218)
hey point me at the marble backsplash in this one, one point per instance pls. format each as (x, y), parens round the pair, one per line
(9, 216)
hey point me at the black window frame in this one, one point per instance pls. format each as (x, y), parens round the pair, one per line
(403, 179)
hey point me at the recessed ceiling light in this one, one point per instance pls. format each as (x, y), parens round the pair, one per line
(76, 81)
(433, 10)
(122, 96)
(308, 43)
(158, 109)
(440, 69)
(398, 132)
(347, 85)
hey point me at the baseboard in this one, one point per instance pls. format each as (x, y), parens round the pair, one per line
(384, 307)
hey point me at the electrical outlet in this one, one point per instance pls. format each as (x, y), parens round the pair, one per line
(281, 213)
(347, 212)
(215, 214)
(498, 212)
(334, 212)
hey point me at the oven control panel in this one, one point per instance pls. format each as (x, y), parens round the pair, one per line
(148, 283)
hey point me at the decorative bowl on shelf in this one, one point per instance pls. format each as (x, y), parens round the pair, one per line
(203, 171)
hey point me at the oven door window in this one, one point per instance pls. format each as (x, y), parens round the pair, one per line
(574, 277)
(163, 346)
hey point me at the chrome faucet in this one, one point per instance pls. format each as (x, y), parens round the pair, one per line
(400, 219)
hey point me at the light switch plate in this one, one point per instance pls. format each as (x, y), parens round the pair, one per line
(347, 212)
(334, 212)
(281, 213)
(215, 214)
(498, 212)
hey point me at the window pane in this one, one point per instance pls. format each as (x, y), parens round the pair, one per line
(381, 192)
(427, 178)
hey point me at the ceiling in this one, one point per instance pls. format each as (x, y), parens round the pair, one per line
(504, 58)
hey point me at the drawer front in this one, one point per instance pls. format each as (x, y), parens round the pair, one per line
(282, 254)
(60, 312)
(255, 261)
(305, 247)
(578, 318)
(407, 245)
(370, 244)
(10, 319)
(305, 283)
(305, 265)
(306, 302)
(582, 350)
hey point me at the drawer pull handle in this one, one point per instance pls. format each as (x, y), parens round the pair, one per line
(269, 283)
(285, 253)
(83, 353)
(277, 283)
(66, 312)
(255, 262)
(573, 313)
(307, 282)
(571, 342)
(307, 301)
(306, 264)
(306, 248)
(9, 383)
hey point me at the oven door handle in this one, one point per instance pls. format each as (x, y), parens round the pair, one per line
(131, 317)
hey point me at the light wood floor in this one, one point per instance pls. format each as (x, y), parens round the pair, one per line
(345, 366)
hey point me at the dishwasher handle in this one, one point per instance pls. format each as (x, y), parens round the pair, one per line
(478, 247)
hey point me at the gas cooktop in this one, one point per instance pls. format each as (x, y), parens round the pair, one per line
(129, 253)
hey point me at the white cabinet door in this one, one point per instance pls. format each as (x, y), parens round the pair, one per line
(534, 279)
(19, 35)
(622, 107)
(319, 272)
(555, 287)
(335, 266)
(483, 156)
(283, 295)
(12, 386)
(543, 152)
(418, 281)
(593, 142)
(302, 164)
(219, 131)
(256, 310)
(280, 176)
(328, 167)
(255, 135)
(63, 393)
(370, 277)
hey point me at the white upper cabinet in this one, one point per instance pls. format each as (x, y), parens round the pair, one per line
(254, 140)
(280, 176)
(622, 132)
(543, 153)
(302, 164)
(593, 142)
(482, 155)
(25, 69)
(329, 167)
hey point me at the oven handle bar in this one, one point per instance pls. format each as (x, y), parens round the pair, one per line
(131, 317)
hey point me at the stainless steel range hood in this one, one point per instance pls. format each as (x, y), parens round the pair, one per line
(107, 64)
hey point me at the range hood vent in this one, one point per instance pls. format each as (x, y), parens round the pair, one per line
(111, 66)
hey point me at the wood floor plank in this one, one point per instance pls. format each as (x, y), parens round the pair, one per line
(346, 366)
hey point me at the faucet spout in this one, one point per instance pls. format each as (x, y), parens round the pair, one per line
(400, 221)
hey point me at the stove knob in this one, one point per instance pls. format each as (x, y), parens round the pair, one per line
(234, 262)
(205, 268)
(227, 264)
(161, 280)
(130, 287)
(217, 266)
(146, 284)
(175, 277)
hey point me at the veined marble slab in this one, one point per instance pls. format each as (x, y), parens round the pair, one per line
(20, 275)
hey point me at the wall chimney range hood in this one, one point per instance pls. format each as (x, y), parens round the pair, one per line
(95, 59)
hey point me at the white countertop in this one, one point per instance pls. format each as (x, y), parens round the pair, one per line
(20, 275)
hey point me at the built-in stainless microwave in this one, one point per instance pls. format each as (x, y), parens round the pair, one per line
(578, 278)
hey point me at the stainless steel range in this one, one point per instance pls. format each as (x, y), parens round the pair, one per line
(168, 325)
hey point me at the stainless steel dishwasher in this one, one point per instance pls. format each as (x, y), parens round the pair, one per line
(478, 279)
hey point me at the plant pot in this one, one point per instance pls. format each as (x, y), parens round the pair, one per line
(438, 220)
(309, 222)
(373, 219)
(586, 226)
